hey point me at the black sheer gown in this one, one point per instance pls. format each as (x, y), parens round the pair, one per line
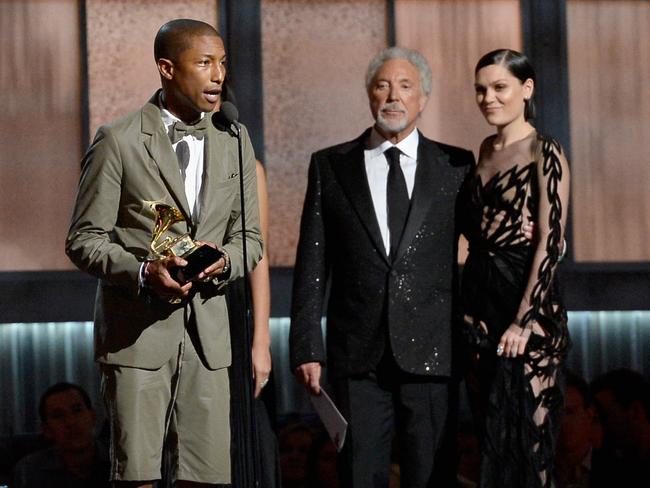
(516, 401)
(254, 450)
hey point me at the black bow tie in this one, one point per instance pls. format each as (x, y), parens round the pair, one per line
(179, 130)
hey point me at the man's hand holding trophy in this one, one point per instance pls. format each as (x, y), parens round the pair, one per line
(174, 262)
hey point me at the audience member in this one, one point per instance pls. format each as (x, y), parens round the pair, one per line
(395, 476)
(580, 436)
(622, 397)
(469, 456)
(295, 442)
(321, 463)
(75, 459)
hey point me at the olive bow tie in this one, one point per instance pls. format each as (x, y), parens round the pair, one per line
(179, 130)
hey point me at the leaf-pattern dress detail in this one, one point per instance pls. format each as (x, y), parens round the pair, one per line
(516, 401)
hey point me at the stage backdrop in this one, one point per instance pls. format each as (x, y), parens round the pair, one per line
(314, 54)
(40, 131)
(609, 75)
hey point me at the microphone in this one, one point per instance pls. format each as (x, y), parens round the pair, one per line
(226, 119)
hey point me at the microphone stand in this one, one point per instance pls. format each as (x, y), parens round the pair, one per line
(247, 315)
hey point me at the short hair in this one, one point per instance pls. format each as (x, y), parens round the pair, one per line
(174, 37)
(627, 386)
(517, 64)
(60, 388)
(411, 55)
(577, 382)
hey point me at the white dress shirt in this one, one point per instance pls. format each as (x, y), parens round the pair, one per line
(194, 170)
(377, 172)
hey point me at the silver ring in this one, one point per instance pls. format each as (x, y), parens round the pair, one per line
(499, 349)
(264, 382)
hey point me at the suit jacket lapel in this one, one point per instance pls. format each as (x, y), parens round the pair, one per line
(160, 148)
(215, 164)
(428, 180)
(350, 170)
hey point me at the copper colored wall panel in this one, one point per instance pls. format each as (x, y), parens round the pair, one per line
(122, 74)
(40, 131)
(315, 54)
(453, 35)
(609, 93)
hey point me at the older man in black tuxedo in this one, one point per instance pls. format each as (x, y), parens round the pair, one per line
(379, 223)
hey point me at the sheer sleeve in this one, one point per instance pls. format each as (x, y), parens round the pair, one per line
(553, 179)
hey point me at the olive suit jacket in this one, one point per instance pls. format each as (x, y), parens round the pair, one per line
(405, 306)
(131, 163)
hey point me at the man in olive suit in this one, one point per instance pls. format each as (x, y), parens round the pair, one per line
(163, 343)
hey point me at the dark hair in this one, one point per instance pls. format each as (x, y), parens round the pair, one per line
(518, 65)
(574, 380)
(60, 388)
(175, 36)
(627, 386)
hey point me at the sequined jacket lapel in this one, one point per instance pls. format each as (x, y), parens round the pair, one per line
(429, 180)
(349, 167)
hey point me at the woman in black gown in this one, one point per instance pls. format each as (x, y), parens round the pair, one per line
(514, 319)
(254, 450)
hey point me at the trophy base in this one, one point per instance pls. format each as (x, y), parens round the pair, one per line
(197, 260)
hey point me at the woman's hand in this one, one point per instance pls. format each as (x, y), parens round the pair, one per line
(513, 341)
(261, 354)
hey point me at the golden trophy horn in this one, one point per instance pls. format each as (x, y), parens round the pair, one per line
(198, 256)
(165, 217)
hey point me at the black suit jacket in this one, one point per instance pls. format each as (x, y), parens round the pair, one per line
(409, 301)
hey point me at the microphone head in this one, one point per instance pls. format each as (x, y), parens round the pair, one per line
(226, 119)
(230, 112)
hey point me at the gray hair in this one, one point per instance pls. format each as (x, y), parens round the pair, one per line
(411, 55)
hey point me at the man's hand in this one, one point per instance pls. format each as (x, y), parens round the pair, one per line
(158, 279)
(309, 375)
(215, 269)
(493, 224)
(528, 228)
